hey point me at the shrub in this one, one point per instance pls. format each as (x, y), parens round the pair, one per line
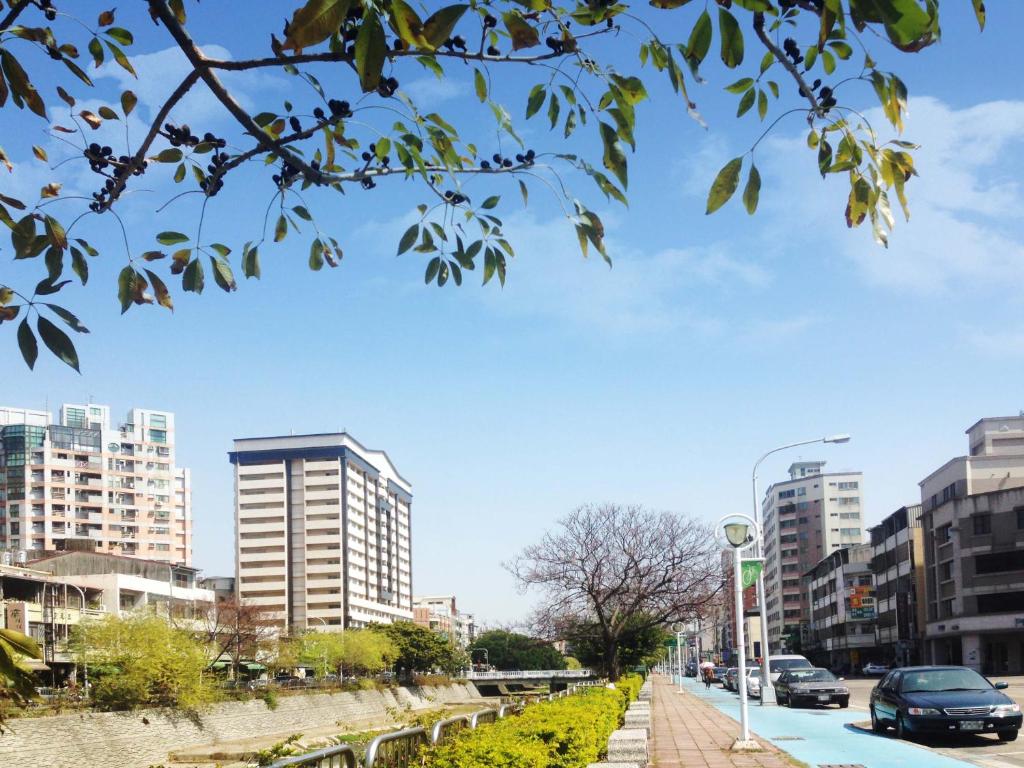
(433, 680)
(630, 686)
(565, 733)
(270, 699)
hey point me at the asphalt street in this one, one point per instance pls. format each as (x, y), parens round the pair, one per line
(830, 736)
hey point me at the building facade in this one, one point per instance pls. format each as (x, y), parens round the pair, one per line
(85, 482)
(751, 617)
(898, 565)
(841, 595)
(322, 532)
(439, 614)
(973, 523)
(805, 519)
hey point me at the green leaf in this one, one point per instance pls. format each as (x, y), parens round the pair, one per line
(222, 274)
(281, 229)
(315, 22)
(699, 44)
(490, 202)
(193, 279)
(23, 644)
(120, 35)
(614, 157)
(126, 288)
(79, 265)
(523, 35)
(979, 12)
(22, 89)
(96, 49)
(433, 268)
(746, 102)
(480, 83)
(169, 155)
(58, 342)
(220, 248)
(316, 255)
(302, 213)
(732, 39)
(524, 192)
(669, 4)
(73, 322)
(251, 261)
(121, 59)
(631, 88)
(842, 49)
(829, 62)
(724, 185)
(752, 191)
(439, 26)
(553, 109)
(741, 85)
(408, 24)
(536, 100)
(128, 102)
(408, 239)
(762, 104)
(371, 47)
(171, 238)
(27, 343)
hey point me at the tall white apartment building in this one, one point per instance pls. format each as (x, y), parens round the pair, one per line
(806, 518)
(85, 482)
(322, 532)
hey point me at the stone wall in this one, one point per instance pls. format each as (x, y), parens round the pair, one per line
(144, 738)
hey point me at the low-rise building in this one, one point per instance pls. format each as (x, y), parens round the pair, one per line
(439, 614)
(897, 563)
(841, 595)
(973, 524)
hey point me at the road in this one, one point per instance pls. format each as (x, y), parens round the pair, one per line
(830, 736)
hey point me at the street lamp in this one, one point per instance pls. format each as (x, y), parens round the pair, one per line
(741, 532)
(679, 628)
(767, 689)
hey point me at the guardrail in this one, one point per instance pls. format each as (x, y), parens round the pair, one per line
(394, 750)
(338, 756)
(443, 730)
(483, 716)
(527, 674)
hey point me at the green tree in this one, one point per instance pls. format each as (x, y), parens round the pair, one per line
(354, 651)
(17, 684)
(784, 60)
(640, 644)
(367, 652)
(417, 649)
(513, 651)
(142, 661)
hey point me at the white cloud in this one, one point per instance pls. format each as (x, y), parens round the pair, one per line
(994, 342)
(965, 229)
(427, 92)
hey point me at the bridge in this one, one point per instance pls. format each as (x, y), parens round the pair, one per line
(511, 681)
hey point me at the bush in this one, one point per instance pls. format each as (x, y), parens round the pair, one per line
(630, 686)
(565, 733)
(270, 699)
(432, 680)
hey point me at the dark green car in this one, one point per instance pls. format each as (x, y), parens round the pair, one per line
(797, 687)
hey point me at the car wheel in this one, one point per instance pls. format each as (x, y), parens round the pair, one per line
(1008, 735)
(778, 699)
(876, 725)
(901, 731)
(844, 703)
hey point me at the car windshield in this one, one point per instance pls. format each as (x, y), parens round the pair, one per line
(810, 676)
(779, 665)
(931, 680)
(754, 672)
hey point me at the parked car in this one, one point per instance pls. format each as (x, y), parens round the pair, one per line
(753, 682)
(946, 700)
(873, 669)
(811, 686)
(718, 674)
(691, 668)
(730, 679)
(779, 664)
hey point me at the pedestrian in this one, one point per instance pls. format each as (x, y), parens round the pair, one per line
(707, 678)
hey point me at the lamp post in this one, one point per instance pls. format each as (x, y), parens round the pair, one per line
(767, 689)
(81, 623)
(679, 628)
(741, 532)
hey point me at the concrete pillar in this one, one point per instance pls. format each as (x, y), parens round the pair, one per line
(973, 656)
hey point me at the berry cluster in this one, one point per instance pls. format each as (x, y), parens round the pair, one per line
(454, 198)
(792, 50)
(182, 136)
(387, 86)
(102, 158)
(456, 43)
(46, 6)
(825, 98)
(555, 44)
(213, 183)
(367, 182)
(492, 51)
(338, 109)
(523, 158)
(371, 153)
(288, 174)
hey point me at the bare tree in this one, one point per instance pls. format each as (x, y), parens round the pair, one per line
(237, 631)
(620, 567)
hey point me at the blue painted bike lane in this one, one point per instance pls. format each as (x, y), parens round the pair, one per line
(823, 736)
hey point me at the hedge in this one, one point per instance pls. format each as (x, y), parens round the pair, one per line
(630, 685)
(564, 733)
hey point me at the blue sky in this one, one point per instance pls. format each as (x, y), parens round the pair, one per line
(658, 381)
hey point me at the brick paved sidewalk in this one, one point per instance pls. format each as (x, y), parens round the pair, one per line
(691, 734)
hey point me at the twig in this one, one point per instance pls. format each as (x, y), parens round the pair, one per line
(787, 64)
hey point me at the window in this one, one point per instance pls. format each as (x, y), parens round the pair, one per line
(998, 562)
(158, 435)
(1001, 602)
(158, 420)
(1020, 517)
(787, 494)
(75, 417)
(849, 531)
(942, 533)
(802, 491)
(982, 524)
(946, 571)
(847, 500)
(850, 486)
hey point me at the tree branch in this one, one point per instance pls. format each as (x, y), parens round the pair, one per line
(789, 66)
(16, 9)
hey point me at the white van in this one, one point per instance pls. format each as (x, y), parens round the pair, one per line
(779, 664)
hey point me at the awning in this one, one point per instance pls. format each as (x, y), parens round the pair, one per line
(34, 664)
(253, 666)
(219, 665)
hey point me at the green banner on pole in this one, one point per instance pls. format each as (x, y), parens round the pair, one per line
(749, 571)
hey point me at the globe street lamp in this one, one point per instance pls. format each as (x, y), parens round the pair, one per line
(679, 628)
(767, 689)
(741, 532)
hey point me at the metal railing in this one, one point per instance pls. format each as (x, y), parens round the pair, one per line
(338, 756)
(394, 750)
(443, 730)
(528, 674)
(483, 716)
